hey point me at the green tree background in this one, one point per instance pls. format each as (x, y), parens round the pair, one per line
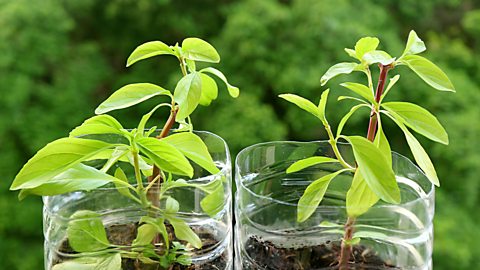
(59, 59)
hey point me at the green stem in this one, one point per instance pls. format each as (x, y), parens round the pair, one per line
(333, 142)
(138, 176)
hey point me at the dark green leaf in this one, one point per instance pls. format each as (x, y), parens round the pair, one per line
(187, 94)
(199, 50)
(232, 90)
(147, 50)
(308, 162)
(337, 69)
(86, 232)
(429, 72)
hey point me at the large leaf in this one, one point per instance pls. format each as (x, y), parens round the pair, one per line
(147, 50)
(414, 44)
(374, 168)
(365, 45)
(199, 50)
(359, 197)
(130, 95)
(303, 103)
(98, 124)
(165, 156)
(429, 72)
(232, 90)
(86, 232)
(337, 69)
(184, 232)
(54, 158)
(193, 148)
(308, 162)
(361, 90)
(105, 262)
(313, 195)
(209, 90)
(187, 94)
(418, 119)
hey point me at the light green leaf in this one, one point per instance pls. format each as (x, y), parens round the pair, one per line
(313, 195)
(374, 168)
(120, 175)
(359, 197)
(106, 262)
(381, 143)
(303, 103)
(308, 162)
(192, 146)
(192, 67)
(184, 232)
(171, 205)
(209, 90)
(351, 53)
(429, 72)
(215, 201)
(414, 44)
(418, 119)
(365, 45)
(187, 94)
(145, 235)
(146, 117)
(159, 224)
(391, 83)
(118, 153)
(340, 98)
(322, 104)
(147, 50)
(129, 95)
(54, 158)
(98, 124)
(86, 232)
(199, 50)
(337, 69)
(347, 116)
(361, 90)
(232, 90)
(378, 57)
(165, 156)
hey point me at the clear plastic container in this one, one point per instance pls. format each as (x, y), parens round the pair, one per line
(266, 207)
(121, 214)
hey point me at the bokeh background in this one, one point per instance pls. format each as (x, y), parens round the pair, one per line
(59, 59)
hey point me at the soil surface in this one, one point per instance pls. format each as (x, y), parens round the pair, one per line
(267, 256)
(125, 234)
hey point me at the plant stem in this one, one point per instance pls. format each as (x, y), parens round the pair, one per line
(333, 142)
(138, 177)
(346, 248)
(372, 125)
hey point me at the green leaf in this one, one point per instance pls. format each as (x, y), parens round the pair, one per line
(351, 53)
(381, 143)
(303, 103)
(106, 262)
(118, 153)
(322, 104)
(418, 119)
(120, 175)
(199, 50)
(86, 232)
(374, 168)
(308, 162)
(192, 146)
(313, 195)
(361, 90)
(340, 98)
(184, 232)
(365, 45)
(146, 117)
(414, 44)
(147, 50)
(145, 235)
(98, 124)
(159, 224)
(54, 158)
(215, 200)
(187, 94)
(171, 205)
(347, 116)
(391, 83)
(130, 95)
(429, 72)
(360, 197)
(209, 90)
(232, 90)
(165, 156)
(378, 57)
(337, 69)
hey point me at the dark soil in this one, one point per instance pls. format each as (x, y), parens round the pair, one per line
(267, 256)
(125, 234)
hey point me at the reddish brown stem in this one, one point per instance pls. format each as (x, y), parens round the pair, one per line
(346, 248)
(372, 125)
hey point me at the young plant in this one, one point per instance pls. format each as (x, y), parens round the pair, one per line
(64, 165)
(373, 177)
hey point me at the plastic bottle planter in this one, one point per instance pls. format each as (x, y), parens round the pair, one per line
(120, 217)
(269, 237)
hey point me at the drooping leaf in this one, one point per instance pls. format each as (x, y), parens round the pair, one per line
(303, 103)
(130, 95)
(105, 262)
(347, 116)
(337, 69)
(98, 124)
(322, 104)
(381, 57)
(429, 72)
(147, 50)
(165, 156)
(313, 195)
(360, 197)
(187, 94)
(361, 90)
(308, 162)
(86, 232)
(414, 44)
(232, 90)
(418, 119)
(374, 168)
(365, 45)
(193, 147)
(184, 232)
(199, 50)
(209, 90)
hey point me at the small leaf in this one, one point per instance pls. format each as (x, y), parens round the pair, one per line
(359, 197)
(98, 124)
(365, 45)
(187, 94)
(120, 175)
(308, 162)
(361, 90)
(347, 116)
(171, 205)
(303, 103)
(145, 235)
(351, 53)
(199, 50)
(337, 69)
(130, 95)
(192, 146)
(184, 232)
(378, 57)
(232, 90)
(340, 98)
(418, 119)
(118, 153)
(374, 168)
(106, 262)
(313, 195)
(429, 72)
(147, 50)
(146, 117)
(214, 202)
(414, 44)
(322, 104)
(391, 83)
(209, 90)
(86, 232)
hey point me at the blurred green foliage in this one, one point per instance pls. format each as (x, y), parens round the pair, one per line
(59, 59)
